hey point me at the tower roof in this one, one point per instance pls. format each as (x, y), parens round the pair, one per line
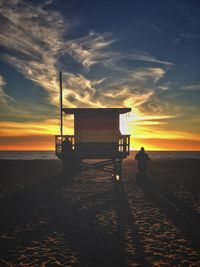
(96, 110)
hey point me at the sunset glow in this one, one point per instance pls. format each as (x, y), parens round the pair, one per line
(146, 64)
(40, 136)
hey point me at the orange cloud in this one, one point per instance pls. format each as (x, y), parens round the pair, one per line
(165, 144)
(31, 135)
(27, 142)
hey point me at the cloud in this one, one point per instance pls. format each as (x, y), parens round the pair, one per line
(12, 109)
(32, 38)
(31, 135)
(189, 36)
(145, 56)
(149, 73)
(29, 128)
(155, 27)
(185, 36)
(165, 144)
(44, 32)
(90, 49)
(154, 119)
(27, 142)
(133, 90)
(164, 87)
(136, 100)
(36, 40)
(192, 87)
(195, 21)
(6, 101)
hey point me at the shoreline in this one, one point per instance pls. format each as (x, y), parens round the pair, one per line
(127, 159)
(46, 155)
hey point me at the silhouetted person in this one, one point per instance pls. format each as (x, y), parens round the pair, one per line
(66, 148)
(142, 159)
(67, 157)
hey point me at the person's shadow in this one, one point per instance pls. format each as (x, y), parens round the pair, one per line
(126, 224)
(181, 215)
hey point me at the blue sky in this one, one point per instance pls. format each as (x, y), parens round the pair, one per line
(140, 54)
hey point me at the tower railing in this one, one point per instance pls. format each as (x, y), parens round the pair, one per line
(123, 144)
(58, 143)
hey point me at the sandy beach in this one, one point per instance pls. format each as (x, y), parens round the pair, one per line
(92, 221)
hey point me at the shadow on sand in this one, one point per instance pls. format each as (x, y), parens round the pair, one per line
(134, 250)
(181, 215)
(41, 227)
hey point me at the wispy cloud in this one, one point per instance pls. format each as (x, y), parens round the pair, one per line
(189, 36)
(192, 87)
(90, 49)
(195, 21)
(145, 56)
(155, 27)
(36, 38)
(6, 101)
(37, 41)
(164, 87)
(186, 36)
(17, 110)
(29, 128)
(32, 38)
(149, 73)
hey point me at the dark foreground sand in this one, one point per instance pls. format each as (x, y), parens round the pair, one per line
(91, 221)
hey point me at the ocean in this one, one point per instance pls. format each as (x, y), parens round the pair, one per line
(49, 155)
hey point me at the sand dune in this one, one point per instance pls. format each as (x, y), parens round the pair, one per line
(92, 221)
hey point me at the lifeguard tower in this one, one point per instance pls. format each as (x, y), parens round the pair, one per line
(96, 137)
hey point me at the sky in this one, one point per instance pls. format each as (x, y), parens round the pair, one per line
(136, 53)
